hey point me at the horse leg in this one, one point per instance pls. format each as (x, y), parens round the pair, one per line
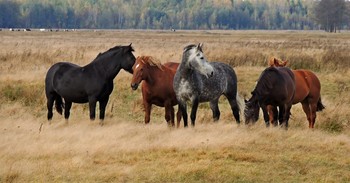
(234, 107)
(183, 109)
(195, 104)
(273, 114)
(178, 117)
(281, 115)
(266, 115)
(50, 101)
(172, 116)
(313, 114)
(67, 107)
(287, 115)
(169, 114)
(148, 107)
(103, 104)
(307, 111)
(215, 108)
(92, 107)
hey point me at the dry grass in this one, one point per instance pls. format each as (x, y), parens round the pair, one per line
(125, 150)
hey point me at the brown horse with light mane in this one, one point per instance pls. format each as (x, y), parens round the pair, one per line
(157, 86)
(307, 92)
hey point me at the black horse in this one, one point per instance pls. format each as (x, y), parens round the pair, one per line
(91, 83)
(275, 87)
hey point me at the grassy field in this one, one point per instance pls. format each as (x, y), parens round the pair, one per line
(126, 150)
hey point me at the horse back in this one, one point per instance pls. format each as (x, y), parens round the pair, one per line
(225, 73)
(223, 81)
(276, 85)
(74, 83)
(172, 65)
(289, 83)
(58, 68)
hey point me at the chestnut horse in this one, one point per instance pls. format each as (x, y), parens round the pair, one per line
(157, 86)
(307, 92)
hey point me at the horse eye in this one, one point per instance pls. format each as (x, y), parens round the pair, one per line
(202, 58)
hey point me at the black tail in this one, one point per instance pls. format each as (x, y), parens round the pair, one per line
(320, 106)
(59, 104)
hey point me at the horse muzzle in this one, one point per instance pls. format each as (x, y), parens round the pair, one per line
(134, 86)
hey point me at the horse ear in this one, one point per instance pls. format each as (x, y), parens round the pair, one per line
(275, 62)
(271, 61)
(285, 63)
(200, 46)
(143, 59)
(130, 48)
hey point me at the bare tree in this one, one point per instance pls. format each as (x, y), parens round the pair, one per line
(330, 14)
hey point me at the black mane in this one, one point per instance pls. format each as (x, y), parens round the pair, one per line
(114, 50)
(267, 80)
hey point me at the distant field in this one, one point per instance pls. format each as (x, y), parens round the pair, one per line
(126, 150)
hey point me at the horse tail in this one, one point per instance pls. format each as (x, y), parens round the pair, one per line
(320, 106)
(59, 104)
(240, 103)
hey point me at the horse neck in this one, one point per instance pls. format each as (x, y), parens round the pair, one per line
(154, 74)
(108, 66)
(184, 68)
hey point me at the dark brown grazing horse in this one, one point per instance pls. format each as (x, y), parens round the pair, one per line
(275, 88)
(307, 92)
(157, 86)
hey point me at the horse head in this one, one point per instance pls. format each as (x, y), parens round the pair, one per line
(139, 72)
(142, 70)
(195, 60)
(128, 58)
(251, 111)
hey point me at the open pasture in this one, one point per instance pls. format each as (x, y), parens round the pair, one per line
(125, 150)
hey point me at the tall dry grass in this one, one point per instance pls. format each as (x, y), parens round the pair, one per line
(125, 150)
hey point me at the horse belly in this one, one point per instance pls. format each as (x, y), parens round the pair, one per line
(73, 97)
(158, 102)
(161, 99)
(209, 93)
(72, 94)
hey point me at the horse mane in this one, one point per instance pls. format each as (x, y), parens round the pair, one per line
(189, 47)
(151, 61)
(116, 48)
(277, 62)
(265, 79)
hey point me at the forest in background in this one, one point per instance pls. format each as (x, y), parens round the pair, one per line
(164, 14)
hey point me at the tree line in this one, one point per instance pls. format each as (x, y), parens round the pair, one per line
(176, 14)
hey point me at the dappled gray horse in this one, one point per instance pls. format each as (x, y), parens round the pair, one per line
(197, 80)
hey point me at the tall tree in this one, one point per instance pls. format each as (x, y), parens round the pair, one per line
(330, 14)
